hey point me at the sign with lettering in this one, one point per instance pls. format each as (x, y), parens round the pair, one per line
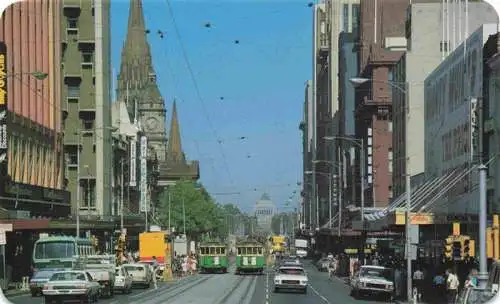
(3, 110)
(144, 175)
(133, 164)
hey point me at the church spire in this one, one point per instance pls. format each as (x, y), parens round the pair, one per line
(136, 69)
(174, 149)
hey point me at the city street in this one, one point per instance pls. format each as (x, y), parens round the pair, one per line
(229, 288)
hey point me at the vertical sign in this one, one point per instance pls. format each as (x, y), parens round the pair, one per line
(3, 110)
(133, 164)
(144, 175)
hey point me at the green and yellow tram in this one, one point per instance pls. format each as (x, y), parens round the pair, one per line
(250, 257)
(213, 257)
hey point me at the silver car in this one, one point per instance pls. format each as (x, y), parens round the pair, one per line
(70, 286)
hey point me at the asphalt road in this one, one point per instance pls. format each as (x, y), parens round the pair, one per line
(233, 289)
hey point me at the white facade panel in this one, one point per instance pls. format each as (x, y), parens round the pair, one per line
(449, 90)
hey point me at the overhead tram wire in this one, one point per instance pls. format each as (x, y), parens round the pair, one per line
(176, 88)
(197, 89)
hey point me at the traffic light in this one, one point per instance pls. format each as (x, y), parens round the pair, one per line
(465, 247)
(448, 248)
(457, 250)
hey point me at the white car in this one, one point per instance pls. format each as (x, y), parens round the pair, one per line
(123, 280)
(372, 280)
(290, 278)
(71, 285)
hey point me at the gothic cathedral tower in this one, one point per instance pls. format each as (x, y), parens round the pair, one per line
(137, 85)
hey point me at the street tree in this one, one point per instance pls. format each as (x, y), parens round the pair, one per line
(188, 208)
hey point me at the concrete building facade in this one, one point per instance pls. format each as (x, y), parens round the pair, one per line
(382, 42)
(86, 105)
(33, 181)
(426, 49)
(306, 126)
(348, 68)
(331, 18)
(452, 95)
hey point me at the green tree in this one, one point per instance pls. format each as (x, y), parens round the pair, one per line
(188, 205)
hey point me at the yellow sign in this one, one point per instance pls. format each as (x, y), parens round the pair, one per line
(415, 218)
(456, 228)
(2, 80)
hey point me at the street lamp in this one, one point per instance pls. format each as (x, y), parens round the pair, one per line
(357, 81)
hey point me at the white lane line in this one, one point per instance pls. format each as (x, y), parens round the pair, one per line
(319, 295)
(267, 287)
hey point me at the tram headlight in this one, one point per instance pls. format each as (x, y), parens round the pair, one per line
(276, 281)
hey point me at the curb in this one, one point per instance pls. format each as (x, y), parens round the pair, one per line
(14, 293)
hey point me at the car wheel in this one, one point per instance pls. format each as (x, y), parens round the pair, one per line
(304, 291)
(276, 290)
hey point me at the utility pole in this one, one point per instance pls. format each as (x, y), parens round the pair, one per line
(121, 196)
(78, 185)
(483, 262)
(408, 197)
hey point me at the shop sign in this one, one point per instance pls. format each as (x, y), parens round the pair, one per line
(3, 110)
(422, 219)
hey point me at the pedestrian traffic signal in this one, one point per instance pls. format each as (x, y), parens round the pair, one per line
(457, 251)
(466, 249)
(448, 248)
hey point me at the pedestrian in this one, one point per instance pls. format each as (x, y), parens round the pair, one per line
(439, 289)
(184, 265)
(452, 285)
(418, 283)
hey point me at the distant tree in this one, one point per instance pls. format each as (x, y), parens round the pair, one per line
(200, 212)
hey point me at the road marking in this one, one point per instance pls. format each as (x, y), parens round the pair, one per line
(319, 295)
(267, 287)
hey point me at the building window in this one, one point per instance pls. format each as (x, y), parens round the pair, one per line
(355, 18)
(87, 57)
(71, 152)
(443, 46)
(89, 194)
(72, 23)
(345, 16)
(73, 91)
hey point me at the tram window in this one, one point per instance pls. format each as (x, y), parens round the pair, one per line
(203, 250)
(223, 250)
(259, 250)
(239, 251)
(212, 250)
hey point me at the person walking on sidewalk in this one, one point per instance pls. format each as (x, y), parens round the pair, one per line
(418, 283)
(452, 284)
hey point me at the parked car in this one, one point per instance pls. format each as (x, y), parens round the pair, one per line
(70, 286)
(290, 278)
(38, 280)
(372, 280)
(123, 280)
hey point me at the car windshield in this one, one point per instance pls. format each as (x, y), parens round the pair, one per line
(68, 276)
(134, 268)
(294, 271)
(55, 250)
(42, 275)
(384, 273)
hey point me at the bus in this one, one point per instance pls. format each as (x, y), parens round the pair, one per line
(60, 252)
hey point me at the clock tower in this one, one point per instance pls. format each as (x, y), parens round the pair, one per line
(137, 85)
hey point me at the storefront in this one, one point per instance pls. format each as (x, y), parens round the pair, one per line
(27, 201)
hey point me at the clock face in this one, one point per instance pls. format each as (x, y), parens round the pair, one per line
(151, 123)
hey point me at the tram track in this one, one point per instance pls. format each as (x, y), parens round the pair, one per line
(228, 294)
(179, 289)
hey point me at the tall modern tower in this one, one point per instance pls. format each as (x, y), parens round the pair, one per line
(137, 80)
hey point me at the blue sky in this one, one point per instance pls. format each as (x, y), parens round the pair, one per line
(261, 80)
